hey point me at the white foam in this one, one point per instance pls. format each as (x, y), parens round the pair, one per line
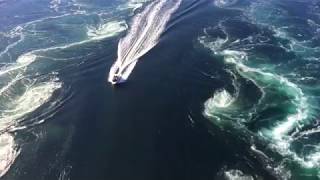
(30, 100)
(21, 96)
(143, 35)
(11, 83)
(279, 135)
(101, 32)
(16, 32)
(292, 120)
(220, 99)
(300, 101)
(106, 30)
(235, 174)
(8, 152)
(35, 95)
(257, 151)
(286, 131)
(307, 132)
(215, 46)
(22, 61)
(224, 3)
(54, 4)
(27, 58)
(65, 173)
(134, 4)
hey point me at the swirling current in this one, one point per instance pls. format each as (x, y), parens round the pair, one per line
(225, 89)
(276, 50)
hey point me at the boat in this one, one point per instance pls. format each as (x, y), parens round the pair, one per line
(116, 78)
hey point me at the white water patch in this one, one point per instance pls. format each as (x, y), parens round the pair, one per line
(14, 33)
(33, 97)
(21, 94)
(102, 31)
(6, 87)
(263, 14)
(224, 3)
(21, 32)
(38, 94)
(215, 45)
(307, 132)
(143, 35)
(220, 99)
(54, 4)
(299, 100)
(296, 46)
(8, 152)
(22, 61)
(134, 4)
(14, 111)
(235, 174)
(65, 173)
(292, 120)
(26, 59)
(94, 33)
(219, 102)
(109, 29)
(280, 134)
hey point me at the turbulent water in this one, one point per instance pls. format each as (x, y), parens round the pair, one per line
(277, 50)
(31, 58)
(228, 89)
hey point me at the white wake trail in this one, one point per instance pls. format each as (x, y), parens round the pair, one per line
(143, 35)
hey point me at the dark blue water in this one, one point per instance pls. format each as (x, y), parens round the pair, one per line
(229, 90)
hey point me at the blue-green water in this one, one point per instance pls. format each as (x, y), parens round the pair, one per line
(214, 89)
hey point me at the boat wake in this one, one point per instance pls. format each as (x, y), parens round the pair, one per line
(143, 35)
